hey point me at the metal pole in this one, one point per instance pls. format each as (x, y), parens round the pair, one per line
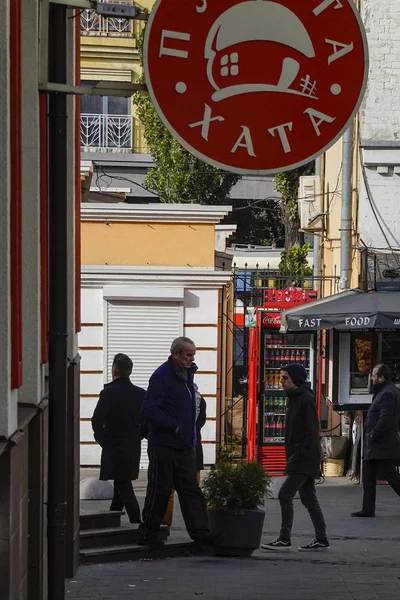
(345, 218)
(58, 324)
(316, 257)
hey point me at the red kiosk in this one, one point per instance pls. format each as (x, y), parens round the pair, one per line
(269, 350)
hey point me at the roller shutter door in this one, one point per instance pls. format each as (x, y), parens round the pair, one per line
(144, 330)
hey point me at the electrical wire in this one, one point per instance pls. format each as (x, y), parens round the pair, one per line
(374, 209)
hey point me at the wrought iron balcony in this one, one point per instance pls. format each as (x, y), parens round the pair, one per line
(93, 24)
(106, 133)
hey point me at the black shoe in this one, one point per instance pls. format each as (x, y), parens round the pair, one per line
(315, 545)
(362, 513)
(152, 543)
(280, 545)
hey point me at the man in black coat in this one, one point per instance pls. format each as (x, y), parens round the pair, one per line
(381, 439)
(116, 427)
(303, 460)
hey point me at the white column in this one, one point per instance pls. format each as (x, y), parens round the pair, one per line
(8, 409)
(31, 391)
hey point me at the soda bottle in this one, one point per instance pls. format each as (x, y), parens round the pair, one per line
(279, 428)
(283, 357)
(303, 357)
(272, 427)
(277, 380)
(267, 428)
(283, 427)
(298, 355)
(292, 356)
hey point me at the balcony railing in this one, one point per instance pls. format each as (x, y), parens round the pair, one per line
(106, 133)
(94, 24)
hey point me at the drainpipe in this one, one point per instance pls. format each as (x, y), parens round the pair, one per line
(58, 286)
(316, 238)
(345, 218)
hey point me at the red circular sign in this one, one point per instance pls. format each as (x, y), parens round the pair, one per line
(256, 86)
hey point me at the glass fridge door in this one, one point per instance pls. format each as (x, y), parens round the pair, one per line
(278, 351)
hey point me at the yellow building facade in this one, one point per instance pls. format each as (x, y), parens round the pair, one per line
(109, 52)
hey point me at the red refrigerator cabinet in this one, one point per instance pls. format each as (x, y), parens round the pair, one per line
(277, 351)
(269, 351)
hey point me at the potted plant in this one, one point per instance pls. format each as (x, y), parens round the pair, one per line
(234, 493)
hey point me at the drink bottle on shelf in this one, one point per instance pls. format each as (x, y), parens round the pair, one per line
(266, 427)
(279, 427)
(282, 357)
(298, 355)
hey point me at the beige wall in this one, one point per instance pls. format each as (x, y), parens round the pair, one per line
(332, 188)
(153, 244)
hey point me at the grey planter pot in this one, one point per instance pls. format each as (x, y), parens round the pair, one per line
(242, 532)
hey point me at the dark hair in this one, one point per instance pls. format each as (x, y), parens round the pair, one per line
(384, 371)
(122, 364)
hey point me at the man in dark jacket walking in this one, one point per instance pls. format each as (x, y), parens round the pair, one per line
(169, 413)
(303, 460)
(381, 439)
(116, 427)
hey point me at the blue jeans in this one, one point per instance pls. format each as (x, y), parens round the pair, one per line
(305, 485)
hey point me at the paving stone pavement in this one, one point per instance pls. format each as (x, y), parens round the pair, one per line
(362, 564)
(233, 579)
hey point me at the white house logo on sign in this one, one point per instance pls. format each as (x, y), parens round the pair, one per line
(257, 85)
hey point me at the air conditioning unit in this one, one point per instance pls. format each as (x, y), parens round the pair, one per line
(310, 203)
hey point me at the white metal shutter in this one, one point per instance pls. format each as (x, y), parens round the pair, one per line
(144, 331)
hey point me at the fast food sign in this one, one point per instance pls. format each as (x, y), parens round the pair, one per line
(256, 86)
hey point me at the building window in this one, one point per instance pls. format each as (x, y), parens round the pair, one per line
(106, 122)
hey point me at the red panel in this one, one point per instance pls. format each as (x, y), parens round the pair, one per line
(273, 459)
(44, 230)
(288, 298)
(252, 392)
(239, 319)
(16, 194)
(77, 178)
(271, 320)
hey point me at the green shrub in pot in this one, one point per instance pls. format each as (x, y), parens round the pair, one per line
(234, 493)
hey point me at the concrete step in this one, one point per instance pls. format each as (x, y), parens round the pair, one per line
(100, 520)
(133, 552)
(113, 536)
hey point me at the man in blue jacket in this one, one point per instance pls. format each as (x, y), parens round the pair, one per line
(169, 417)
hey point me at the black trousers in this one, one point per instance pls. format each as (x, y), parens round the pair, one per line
(124, 496)
(371, 469)
(305, 485)
(172, 468)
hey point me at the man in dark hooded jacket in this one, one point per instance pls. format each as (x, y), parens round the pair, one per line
(381, 439)
(303, 460)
